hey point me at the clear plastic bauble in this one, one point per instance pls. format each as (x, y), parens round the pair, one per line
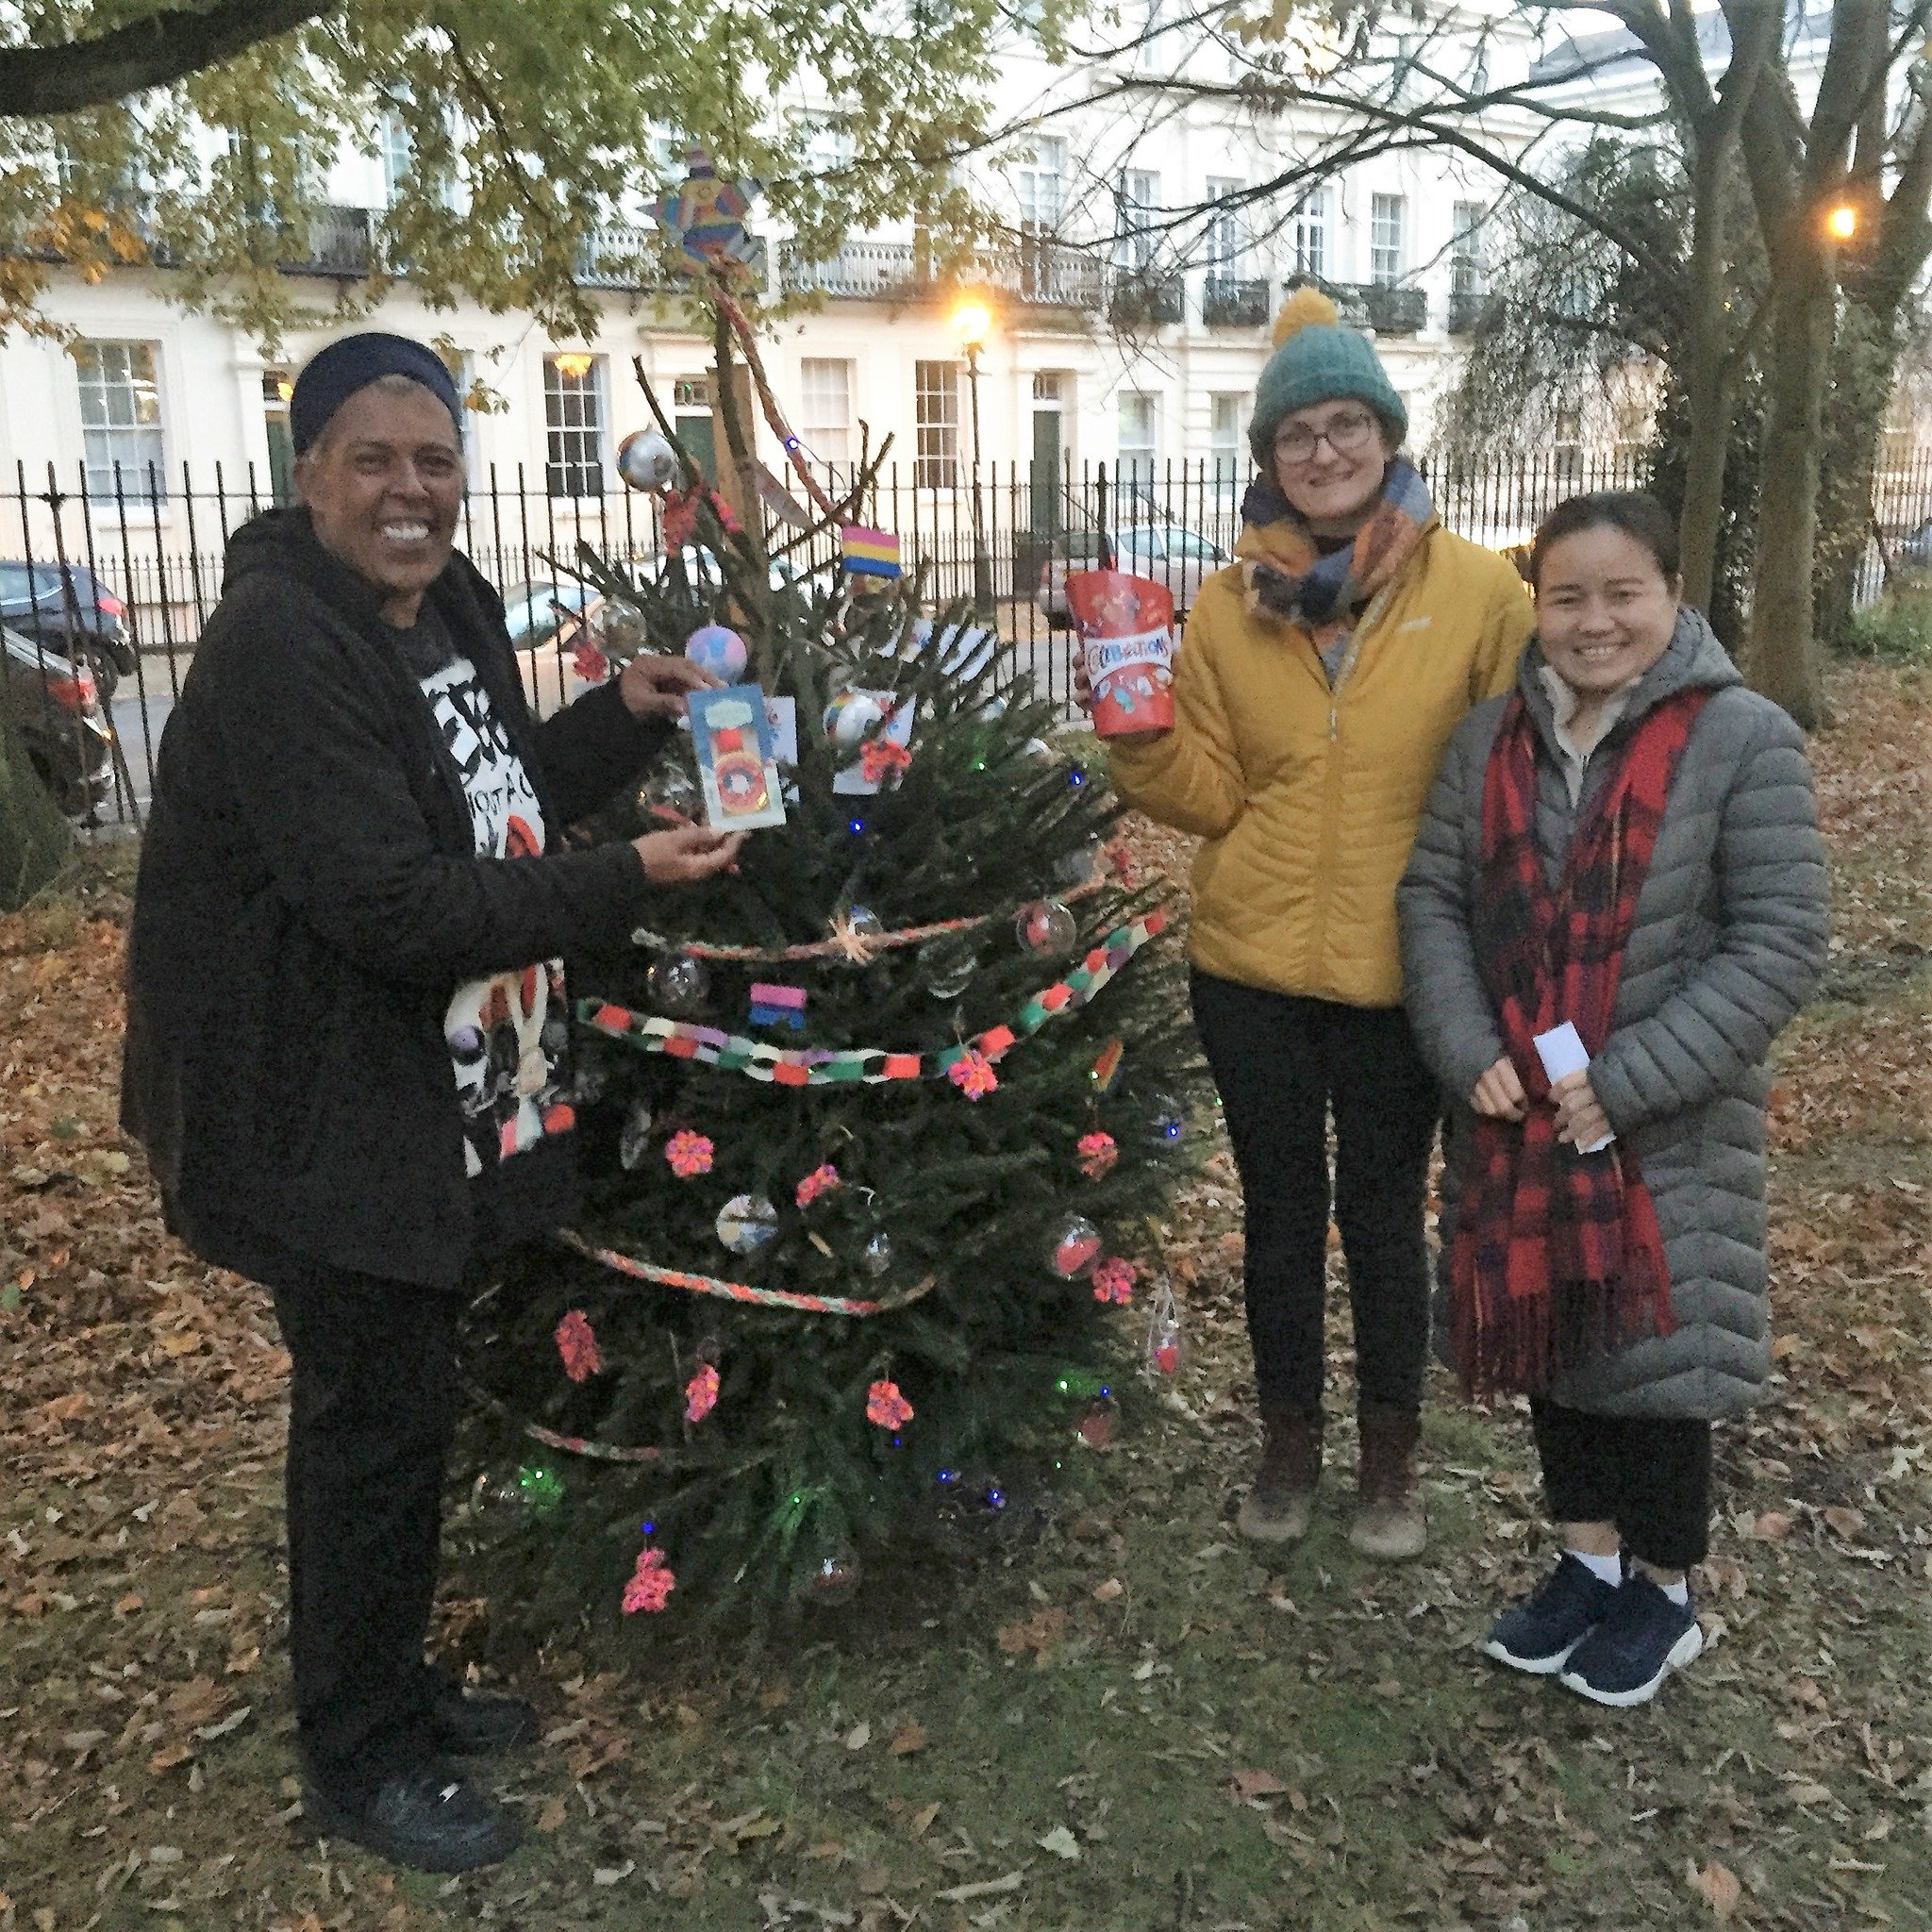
(1075, 1247)
(498, 1492)
(1167, 1120)
(622, 630)
(719, 649)
(1036, 751)
(679, 984)
(554, 1039)
(746, 1223)
(1080, 866)
(851, 717)
(877, 1255)
(1046, 927)
(646, 460)
(861, 921)
(1163, 1333)
(634, 1140)
(946, 965)
(837, 1578)
(670, 792)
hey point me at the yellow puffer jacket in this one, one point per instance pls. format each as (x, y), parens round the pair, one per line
(1310, 798)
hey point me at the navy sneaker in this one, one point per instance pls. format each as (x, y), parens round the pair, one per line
(1539, 1634)
(1641, 1640)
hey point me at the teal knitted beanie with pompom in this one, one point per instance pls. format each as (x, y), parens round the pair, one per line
(1317, 359)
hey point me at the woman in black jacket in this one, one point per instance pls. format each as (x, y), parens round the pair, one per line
(346, 1036)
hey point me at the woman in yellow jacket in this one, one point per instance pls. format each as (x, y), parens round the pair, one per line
(1319, 679)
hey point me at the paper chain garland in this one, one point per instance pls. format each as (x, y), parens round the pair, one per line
(871, 1065)
(726, 1291)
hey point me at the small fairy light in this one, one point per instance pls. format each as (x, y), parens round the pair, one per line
(995, 1498)
(948, 1476)
(1076, 777)
(647, 1528)
(856, 827)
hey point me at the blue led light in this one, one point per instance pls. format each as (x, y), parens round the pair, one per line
(1173, 1130)
(949, 1475)
(1076, 777)
(996, 1499)
(1104, 1391)
(647, 1528)
(856, 827)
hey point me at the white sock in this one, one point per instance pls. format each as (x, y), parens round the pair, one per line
(1609, 1568)
(1679, 1593)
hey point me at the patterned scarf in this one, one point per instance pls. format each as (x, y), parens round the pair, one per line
(1287, 576)
(1558, 1255)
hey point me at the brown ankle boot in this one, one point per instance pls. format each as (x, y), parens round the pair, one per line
(1276, 1509)
(1389, 1522)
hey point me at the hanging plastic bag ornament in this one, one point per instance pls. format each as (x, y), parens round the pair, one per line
(719, 649)
(1163, 1332)
(837, 1577)
(851, 715)
(946, 965)
(1168, 1119)
(1046, 927)
(746, 1223)
(646, 461)
(634, 1137)
(1076, 1248)
(1080, 866)
(671, 794)
(877, 1255)
(679, 984)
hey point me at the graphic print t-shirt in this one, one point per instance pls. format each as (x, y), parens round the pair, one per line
(507, 1033)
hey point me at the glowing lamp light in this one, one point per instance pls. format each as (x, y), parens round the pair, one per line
(574, 365)
(972, 323)
(1841, 221)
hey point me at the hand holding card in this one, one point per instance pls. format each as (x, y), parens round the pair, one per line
(731, 732)
(1563, 1053)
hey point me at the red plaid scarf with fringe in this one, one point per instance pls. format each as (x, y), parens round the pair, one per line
(1558, 1256)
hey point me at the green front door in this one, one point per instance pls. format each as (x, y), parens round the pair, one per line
(1046, 472)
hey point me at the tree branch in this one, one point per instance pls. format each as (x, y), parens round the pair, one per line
(164, 47)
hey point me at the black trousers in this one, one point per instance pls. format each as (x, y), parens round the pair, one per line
(1651, 1479)
(372, 1411)
(1282, 1064)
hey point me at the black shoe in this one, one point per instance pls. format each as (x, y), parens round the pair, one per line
(475, 1724)
(1539, 1634)
(430, 1819)
(1644, 1637)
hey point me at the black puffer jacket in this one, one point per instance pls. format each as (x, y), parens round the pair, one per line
(309, 899)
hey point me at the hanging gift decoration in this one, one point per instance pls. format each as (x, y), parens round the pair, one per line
(1113, 1282)
(1096, 1153)
(689, 1154)
(746, 1223)
(821, 1180)
(778, 1006)
(679, 984)
(1107, 1068)
(869, 553)
(701, 1394)
(1075, 1247)
(885, 1407)
(651, 1583)
(577, 1344)
(1163, 1332)
(719, 649)
(705, 217)
(646, 461)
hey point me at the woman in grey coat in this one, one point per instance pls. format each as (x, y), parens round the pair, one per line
(1616, 900)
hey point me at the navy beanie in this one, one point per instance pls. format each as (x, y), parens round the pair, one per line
(353, 362)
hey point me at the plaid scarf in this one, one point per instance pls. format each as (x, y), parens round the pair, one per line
(1287, 576)
(1558, 1255)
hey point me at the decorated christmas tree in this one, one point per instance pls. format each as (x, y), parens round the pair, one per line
(879, 1126)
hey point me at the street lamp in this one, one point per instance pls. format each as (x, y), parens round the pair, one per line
(1841, 221)
(973, 324)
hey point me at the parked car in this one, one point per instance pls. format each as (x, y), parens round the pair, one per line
(31, 603)
(534, 610)
(1910, 564)
(1170, 554)
(57, 709)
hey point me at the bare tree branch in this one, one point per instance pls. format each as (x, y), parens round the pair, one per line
(165, 47)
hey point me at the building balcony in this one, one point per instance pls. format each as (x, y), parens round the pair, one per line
(1466, 309)
(1226, 302)
(1386, 309)
(335, 241)
(1142, 300)
(1047, 274)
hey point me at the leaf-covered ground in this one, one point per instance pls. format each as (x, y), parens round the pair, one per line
(1097, 1711)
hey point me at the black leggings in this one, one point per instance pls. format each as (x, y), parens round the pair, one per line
(1282, 1063)
(1650, 1479)
(373, 1406)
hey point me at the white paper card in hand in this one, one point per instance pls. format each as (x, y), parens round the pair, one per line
(1562, 1052)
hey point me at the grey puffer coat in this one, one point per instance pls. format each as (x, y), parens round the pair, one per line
(1728, 944)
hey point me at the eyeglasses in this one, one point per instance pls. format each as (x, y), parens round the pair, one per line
(1345, 434)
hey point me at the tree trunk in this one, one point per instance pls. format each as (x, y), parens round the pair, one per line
(1708, 388)
(1862, 365)
(1781, 660)
(36, 842)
